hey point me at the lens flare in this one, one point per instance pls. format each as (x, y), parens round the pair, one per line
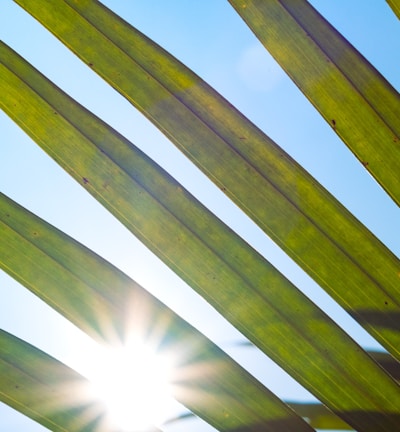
(133, 382)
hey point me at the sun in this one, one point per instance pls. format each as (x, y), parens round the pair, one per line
(133, 381)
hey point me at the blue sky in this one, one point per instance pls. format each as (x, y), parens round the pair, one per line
(211, 39)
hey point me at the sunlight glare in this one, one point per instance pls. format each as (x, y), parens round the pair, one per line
(133, 381)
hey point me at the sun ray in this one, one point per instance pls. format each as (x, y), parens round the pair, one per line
(132, 379)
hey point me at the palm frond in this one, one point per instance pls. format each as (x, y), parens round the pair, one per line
(307, 222)
(358, 389)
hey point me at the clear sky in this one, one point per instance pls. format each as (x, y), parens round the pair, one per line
(211, 39)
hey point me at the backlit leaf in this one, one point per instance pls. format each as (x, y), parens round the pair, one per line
(237, 281)
(308, 223)
(108, 305)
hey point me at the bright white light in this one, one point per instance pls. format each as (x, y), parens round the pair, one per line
(133, 382)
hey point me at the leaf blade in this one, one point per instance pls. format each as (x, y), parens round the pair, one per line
(304, 220)
(352, 96)
(317, 415)
(109, 306)
(395, 6)
(162, 214)
(46, 390)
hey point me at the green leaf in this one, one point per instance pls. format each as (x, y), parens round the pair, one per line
(352, 96)
(236, 280)
(395, 5)
(308, 223)
(46, 390)
(385, 360)
(317, 416)
(108, 305)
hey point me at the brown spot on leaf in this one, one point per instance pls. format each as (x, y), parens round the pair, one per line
(85, 180)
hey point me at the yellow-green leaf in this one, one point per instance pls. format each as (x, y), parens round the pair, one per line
(395, 5)
(288, 204)
(353, 97)
(108, 305)
(317, 416)
(219, 265)
(46, 390)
